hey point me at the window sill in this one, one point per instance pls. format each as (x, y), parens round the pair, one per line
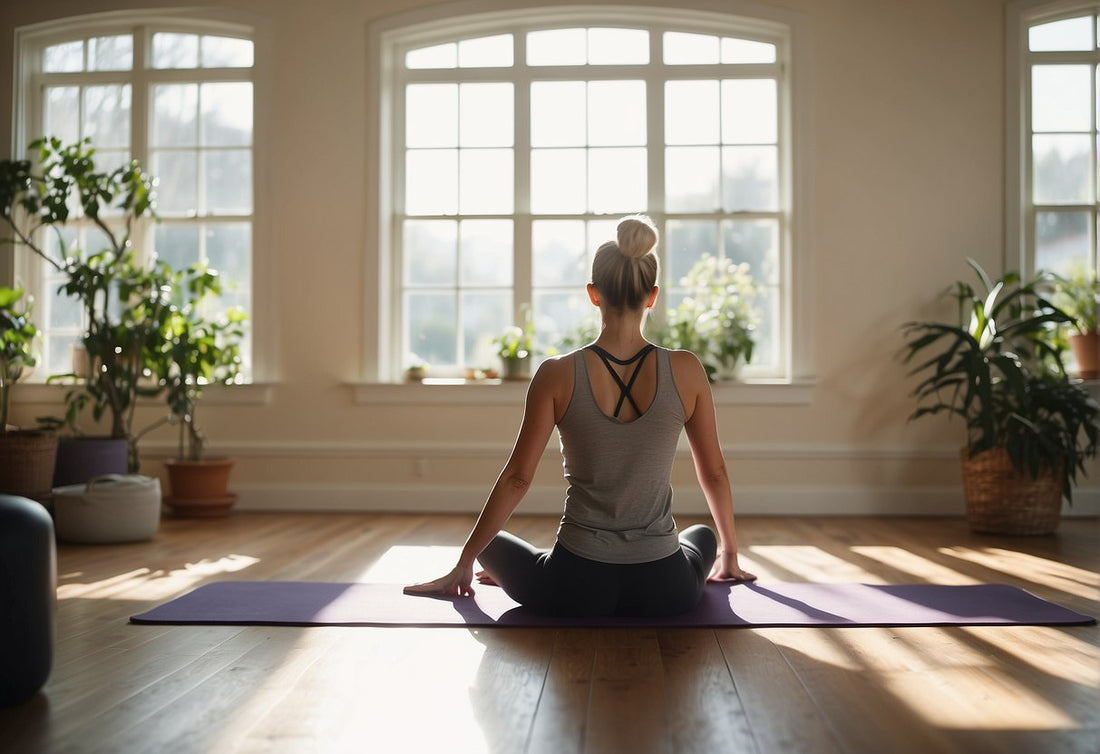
(512, 392)
(251, 394)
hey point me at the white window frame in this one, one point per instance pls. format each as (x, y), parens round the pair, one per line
(27, 125)
(421, 28)
(1020, 209)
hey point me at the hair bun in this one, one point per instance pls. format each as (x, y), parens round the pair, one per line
(637, 236)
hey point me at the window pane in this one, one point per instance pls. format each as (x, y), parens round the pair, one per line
(557, 47)
(1062, 240)
(1066, 35)
(178, 245)
(750, 179)
(560, 313)
(111, 53)
(486, 253)
(63, 58)
(559, 255)
(558, 181)
(432, 333)
(175, 115)
(431, 115)
(686, 241)
(227, 114)
(436, 56)
(617, 180)
(618, 46)
(692, 179)
(228, 181)
(1060, 98)
(749, 111)
(755, 242)
(62, 116)
(229, 251)
(226, 52)
(175, 50)
(1062, 165)
(747, 51)
(486, 52)
(616, 113)
(685, 49)
(487, 185)
(431, 181)
(691, 112)
(486, 114)
(177, 173)
(484, 315)
(430, 252)
(63, 313)
(558, 114)
(766, 337)
(107, 115)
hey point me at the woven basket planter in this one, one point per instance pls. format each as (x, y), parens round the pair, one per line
(27, 460)
(1003, 500)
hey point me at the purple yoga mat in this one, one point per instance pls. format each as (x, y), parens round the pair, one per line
(307, 603)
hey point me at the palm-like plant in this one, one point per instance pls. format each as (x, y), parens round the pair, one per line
(1000, 370)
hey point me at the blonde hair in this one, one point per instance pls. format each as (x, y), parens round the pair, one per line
(625, 270)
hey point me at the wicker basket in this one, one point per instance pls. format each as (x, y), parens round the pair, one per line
(1003, 500)
(26, 463)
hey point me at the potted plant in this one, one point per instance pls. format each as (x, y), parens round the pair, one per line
(1029, 428)
(717, 319)
(26, 456)
(197, 351)
(1076, 295)
(515, 346)
(125, 302)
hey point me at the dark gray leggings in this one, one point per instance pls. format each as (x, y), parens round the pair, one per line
(557, 582)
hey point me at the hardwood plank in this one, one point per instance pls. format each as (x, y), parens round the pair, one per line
(629, 705)
(560, 722)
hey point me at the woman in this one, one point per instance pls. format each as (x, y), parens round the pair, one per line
(619, 405)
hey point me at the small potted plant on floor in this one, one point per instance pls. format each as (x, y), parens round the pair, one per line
(26, 456)
(1075, 294)
(197, 351)
(1029, 427)
(717, 319)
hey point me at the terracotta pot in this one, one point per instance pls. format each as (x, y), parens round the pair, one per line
(1085, 354)
(200, 488)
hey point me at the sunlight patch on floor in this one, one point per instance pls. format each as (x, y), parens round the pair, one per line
(1019, 565)
(411, 564)
(922, 568)
(808, 563)
(147, 584)
(1075, 660)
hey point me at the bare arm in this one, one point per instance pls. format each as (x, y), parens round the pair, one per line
(539, 416)
(710, 465)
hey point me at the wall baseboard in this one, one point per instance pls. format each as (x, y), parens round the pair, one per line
(748, 500)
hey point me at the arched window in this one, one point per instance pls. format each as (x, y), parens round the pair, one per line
(1053, 210)
(178, 96)
(510, 143)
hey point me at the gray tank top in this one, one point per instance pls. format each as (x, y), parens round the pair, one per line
(618, 507)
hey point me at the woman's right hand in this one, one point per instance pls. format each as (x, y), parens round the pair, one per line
(726, 568)
(457, 583)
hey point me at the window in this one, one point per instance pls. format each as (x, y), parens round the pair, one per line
(1059, 142)
(515, 148)
(178, 99)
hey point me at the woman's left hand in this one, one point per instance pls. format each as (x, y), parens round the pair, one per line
(457, 583)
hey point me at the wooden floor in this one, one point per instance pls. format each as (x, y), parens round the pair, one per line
(117, 687)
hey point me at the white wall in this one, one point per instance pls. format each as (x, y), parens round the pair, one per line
(906, 119)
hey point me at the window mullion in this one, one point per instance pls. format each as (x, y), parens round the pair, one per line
(522, 266)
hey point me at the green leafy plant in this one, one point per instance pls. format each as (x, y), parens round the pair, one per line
(1075, 294)
(998, 369)
(517, 341)
(717, 319)
(17, 335)
(197, 351)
